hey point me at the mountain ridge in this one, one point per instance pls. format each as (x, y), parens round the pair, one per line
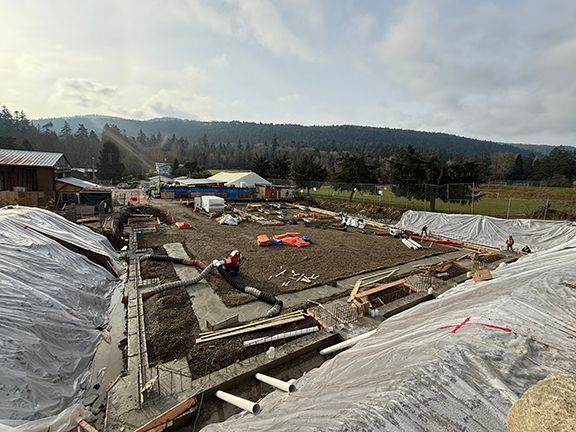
(348, 137)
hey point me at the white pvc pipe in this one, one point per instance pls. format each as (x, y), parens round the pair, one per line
(241, 403)
(407, 244)
(279, 336)
(287, 387)
(347, 343)
(415, 243)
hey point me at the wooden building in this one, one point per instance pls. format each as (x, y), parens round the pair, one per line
(29, 177)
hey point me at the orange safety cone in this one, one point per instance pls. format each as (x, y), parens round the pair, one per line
(180, 201)
(187, 203)
(167, 212)
(172, 219)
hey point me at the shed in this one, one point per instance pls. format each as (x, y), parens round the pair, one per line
(87, 198)
(29, 177)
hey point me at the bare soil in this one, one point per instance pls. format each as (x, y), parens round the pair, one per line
(332, 255)
(171, 326)
(212, 356)
(172, 329)
(158, 269)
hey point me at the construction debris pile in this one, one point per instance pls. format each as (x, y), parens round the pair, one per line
(55, 298)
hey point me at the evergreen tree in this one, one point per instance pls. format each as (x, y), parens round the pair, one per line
(261, 166)
(417, 176)
(353, 170)
(306, 170)
(517, 172)
(66, 130)
(82, 132)
(109, 165)
(175, 165)
(280, 167)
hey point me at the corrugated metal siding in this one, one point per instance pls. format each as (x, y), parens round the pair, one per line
(29, 158)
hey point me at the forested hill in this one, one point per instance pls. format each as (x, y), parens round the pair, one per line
(372, 140)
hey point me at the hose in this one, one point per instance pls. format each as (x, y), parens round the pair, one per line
(185, 261)
(177, 284)
(260, 295)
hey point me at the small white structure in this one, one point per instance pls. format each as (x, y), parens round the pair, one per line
(247, 179)
(211, 203)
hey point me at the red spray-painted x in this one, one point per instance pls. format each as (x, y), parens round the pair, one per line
(467, 321)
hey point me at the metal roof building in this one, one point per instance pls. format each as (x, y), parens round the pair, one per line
(33, 159)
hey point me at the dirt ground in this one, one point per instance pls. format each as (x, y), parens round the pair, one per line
(158, 269)
(333, 254)
(171, 326)
(172, 329)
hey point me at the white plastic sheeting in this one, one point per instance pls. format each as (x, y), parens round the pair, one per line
(491, 231)
(62, 422)
(52, 302)
(411, 375)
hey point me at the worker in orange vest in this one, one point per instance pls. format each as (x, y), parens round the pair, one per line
(510, 244)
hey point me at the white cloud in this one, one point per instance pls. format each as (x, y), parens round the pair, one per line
(481, 72)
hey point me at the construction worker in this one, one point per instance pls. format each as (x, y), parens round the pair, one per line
(510, 244)
(424, 231)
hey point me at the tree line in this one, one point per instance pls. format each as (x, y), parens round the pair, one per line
(301, 157)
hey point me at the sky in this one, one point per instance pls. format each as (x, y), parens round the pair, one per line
(499, 70)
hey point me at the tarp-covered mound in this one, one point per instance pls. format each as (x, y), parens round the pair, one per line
(416, 374)
(52, 303)
(491, 231)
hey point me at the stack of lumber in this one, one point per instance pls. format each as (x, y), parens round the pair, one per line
(251, 327)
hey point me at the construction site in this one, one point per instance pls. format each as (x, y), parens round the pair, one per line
(202, 314)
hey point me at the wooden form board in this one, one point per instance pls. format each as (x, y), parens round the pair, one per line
(83, 425)
(164, 420)
(369, 280)
(234, 331)
(380, 288)
(222, 324)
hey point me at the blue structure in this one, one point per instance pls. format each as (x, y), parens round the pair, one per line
(230, 193)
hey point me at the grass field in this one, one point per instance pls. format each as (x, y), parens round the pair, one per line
(503, 201)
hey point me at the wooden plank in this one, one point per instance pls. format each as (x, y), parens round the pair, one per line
(378, 279)
(222, 324)
(85, 426)
(380, 288)
(248, 330)
(355, 290)
(254, 323)
(235, 330)
(168, 415)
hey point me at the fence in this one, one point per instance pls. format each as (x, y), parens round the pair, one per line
(491, 200)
